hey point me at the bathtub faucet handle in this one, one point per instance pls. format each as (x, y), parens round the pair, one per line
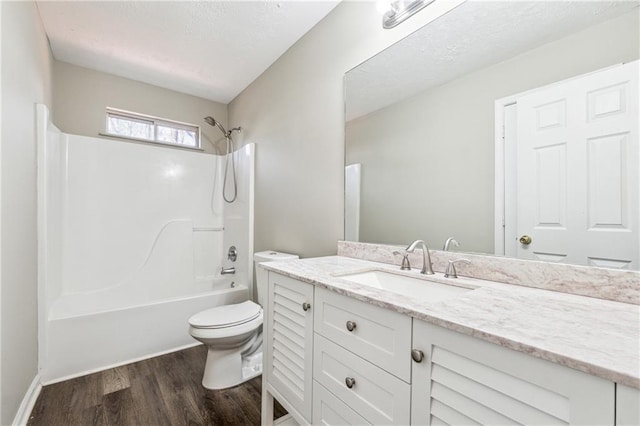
(232, 255)
(227, 271)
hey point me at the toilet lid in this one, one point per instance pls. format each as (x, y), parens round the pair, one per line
(226, 316)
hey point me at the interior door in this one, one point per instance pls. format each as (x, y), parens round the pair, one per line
(578, 191)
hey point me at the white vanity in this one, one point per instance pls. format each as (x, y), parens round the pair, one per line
(339, 352)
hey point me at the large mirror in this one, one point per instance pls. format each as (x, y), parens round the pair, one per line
(467, 128)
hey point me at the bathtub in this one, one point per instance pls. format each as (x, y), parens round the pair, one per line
(124, 259)
(79, 344)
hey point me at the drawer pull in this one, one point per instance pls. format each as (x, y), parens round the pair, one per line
(351, 325)
(417, 355)
(306, 306)
(350, 381)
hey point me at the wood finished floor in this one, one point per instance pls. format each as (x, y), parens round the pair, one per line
(165, 390)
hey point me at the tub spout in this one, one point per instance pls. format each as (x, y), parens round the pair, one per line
(227, 271)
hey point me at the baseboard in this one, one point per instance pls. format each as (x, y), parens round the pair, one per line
(129, 361)
(29, 400)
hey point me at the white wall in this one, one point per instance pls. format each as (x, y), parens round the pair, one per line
(26, 80)
(294, 112)
(81, 96)
(428, 161)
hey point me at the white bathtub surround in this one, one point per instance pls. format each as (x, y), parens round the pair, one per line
(610, 284)
(596, 336)
(132, 238)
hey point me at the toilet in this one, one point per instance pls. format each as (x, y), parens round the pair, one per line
(233, 333)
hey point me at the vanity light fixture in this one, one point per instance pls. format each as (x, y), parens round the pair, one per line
(398, 11)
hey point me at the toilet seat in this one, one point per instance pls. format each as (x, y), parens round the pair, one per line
(226, 316)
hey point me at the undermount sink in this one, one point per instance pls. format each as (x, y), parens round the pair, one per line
(407, 286)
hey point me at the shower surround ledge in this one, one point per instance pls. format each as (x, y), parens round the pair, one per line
(596, 336)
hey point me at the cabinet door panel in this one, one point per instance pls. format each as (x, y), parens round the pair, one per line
(289, 342)
(466, 378)
(627, 406)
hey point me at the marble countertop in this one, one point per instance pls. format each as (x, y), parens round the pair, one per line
(596, 336)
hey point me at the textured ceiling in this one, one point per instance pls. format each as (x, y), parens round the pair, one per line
(474, 35)
(211, 49)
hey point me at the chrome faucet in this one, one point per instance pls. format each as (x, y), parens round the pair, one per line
(450, 240)
(451, 267)
(427, 268)
(227, 271)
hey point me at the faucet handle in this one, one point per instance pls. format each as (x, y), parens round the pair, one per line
(405, 260)
(451, 272)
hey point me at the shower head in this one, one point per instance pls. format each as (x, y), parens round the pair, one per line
(212, 122)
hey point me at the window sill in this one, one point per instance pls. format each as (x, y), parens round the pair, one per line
(150, 142)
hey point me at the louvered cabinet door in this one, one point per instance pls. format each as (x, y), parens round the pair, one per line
(290, 343)
(627, 406)
(467, 381)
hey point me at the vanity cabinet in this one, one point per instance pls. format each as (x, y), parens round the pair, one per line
(289, 345)
(334, 360)
(462, 380)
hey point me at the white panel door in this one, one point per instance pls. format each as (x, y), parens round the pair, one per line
(290, 344)
(578, 158)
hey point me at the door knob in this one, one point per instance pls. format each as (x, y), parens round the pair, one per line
(525, 240)
(351, 325)
(306, 306)
(349, 381)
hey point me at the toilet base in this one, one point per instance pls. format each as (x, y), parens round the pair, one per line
(228, 368)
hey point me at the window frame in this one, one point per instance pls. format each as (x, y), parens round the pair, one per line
(154, 122)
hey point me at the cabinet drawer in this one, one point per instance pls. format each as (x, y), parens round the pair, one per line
(381, 336)
(379, 397)
(329, 410)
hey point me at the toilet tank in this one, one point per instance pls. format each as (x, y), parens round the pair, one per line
(261, 274)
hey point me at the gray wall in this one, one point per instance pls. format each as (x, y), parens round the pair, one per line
(294, 112)
(26, 80)
(81, 96)
(428, 161)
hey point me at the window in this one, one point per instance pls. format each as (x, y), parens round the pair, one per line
(130, 125)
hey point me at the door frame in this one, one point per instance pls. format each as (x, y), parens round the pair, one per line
(500, 196)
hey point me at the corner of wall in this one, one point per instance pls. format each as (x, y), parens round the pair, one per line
(26, 74)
